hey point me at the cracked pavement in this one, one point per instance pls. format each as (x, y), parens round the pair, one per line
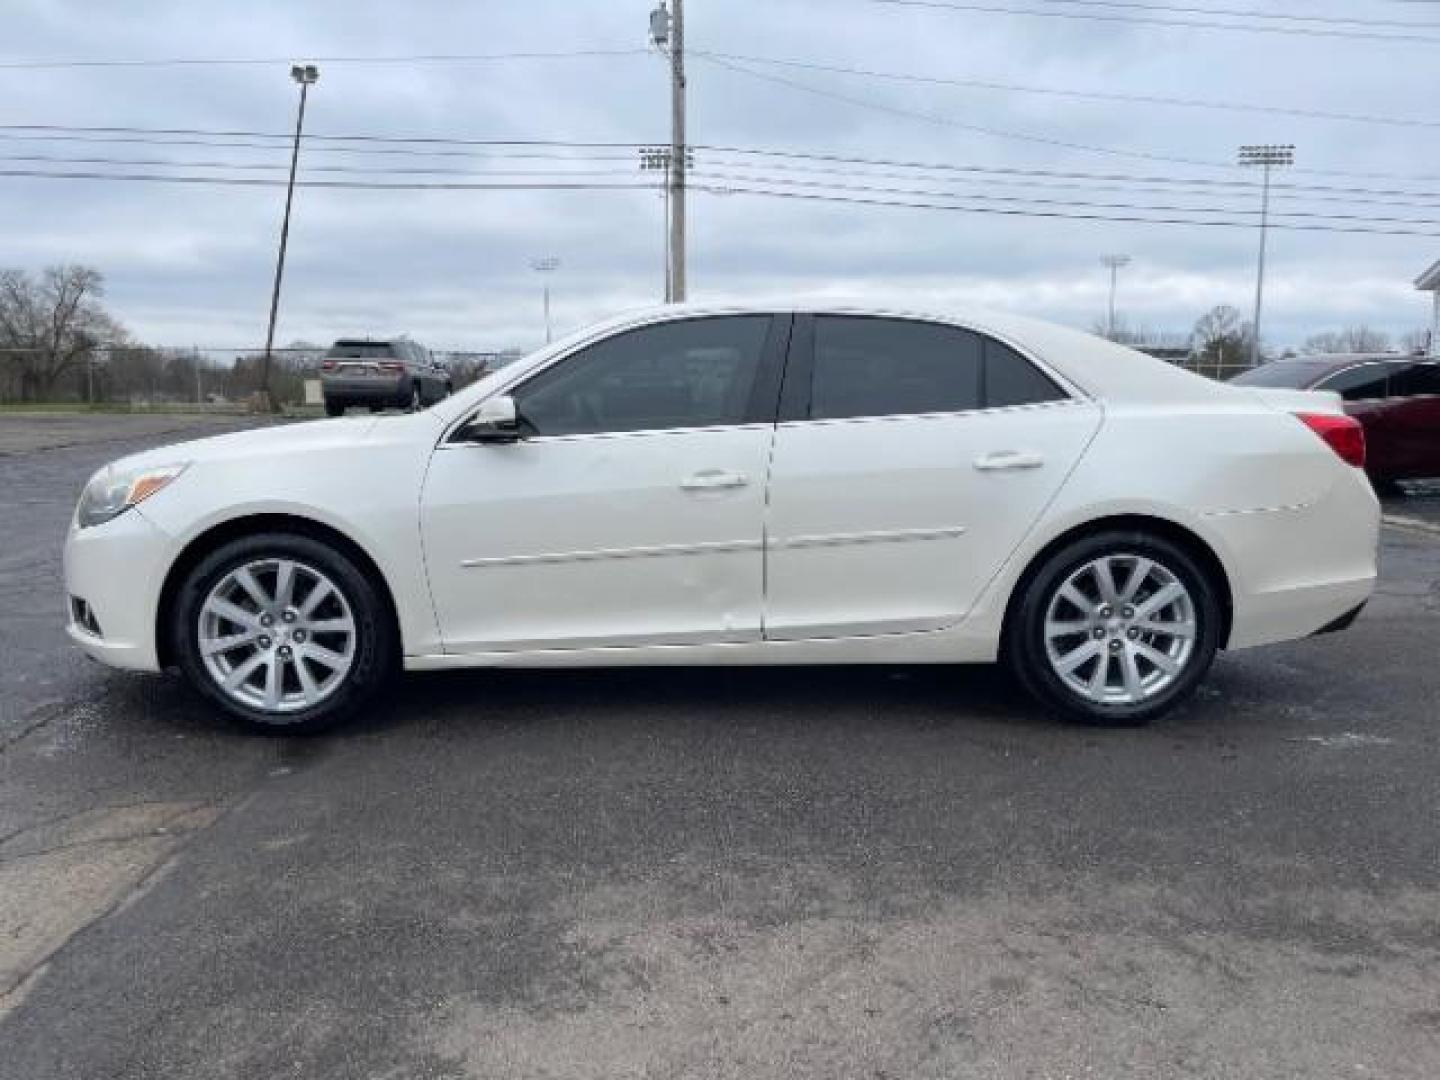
(898, 872)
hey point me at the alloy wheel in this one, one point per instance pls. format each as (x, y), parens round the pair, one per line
(1120, 629)
(277, 635)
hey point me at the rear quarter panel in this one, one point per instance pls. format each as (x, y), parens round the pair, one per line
(1277, 507)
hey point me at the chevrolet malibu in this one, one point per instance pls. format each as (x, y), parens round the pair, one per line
(744, 485)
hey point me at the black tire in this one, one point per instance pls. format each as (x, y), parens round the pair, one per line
(334, 408)
(376, 647)
(1025, 650)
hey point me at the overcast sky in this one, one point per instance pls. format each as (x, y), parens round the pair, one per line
(193, 263)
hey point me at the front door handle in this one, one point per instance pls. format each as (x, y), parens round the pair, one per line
(1009, 459)
(714, 479)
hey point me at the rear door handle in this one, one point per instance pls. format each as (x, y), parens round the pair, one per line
(1009, 459)
(714, 479)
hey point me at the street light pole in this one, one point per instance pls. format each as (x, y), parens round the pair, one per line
(306, 76)
(1114, 262)
(545, 267)
(1266, 156)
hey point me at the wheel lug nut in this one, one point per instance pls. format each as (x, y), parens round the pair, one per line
(1104, 612)
(1128, 613)
(1115, 645)
(267, 620)
(285, 652)
(289, 616)
(264, 642)
(1133, 633)
(1099, 632)
(297, 636)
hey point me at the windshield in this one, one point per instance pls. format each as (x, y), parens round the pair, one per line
(361, 350)
(1294, 374)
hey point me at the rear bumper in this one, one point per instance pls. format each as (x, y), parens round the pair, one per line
(364, 390)
(1303, 569)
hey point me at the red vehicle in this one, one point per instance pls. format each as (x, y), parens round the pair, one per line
(1395, 398)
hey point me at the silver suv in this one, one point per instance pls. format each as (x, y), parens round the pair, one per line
(398, 373)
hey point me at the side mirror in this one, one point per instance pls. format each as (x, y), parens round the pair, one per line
(494, 422)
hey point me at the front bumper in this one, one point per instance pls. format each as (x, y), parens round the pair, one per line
(117, 569)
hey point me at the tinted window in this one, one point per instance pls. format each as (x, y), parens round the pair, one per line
(695, 373)
(1358, 383)
(882, 367)
(361, 350)
(1010, 379)
(1422, 379)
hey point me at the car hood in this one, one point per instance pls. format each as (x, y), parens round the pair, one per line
(272, 440)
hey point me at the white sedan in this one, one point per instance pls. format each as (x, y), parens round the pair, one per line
(744, 485)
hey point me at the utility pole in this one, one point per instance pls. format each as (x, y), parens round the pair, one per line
(1267, 156)
(667, 33)
(545, 267)
(306, 76)
(1114, 262)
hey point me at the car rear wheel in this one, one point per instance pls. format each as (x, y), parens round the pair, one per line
(283, 632)
(334, 408)
(1116, 628)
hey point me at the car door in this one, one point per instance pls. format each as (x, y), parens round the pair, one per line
(1412, 421)
(631, 510)
(1365, 387)
(910, 460)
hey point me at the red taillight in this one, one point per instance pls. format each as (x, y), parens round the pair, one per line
(1343, 434)
(391, 365)
(327, 365)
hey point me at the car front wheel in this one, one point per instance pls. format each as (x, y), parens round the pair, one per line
(283, 632)
(1116, 628)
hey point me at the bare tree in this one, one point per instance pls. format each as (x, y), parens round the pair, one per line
(50, 324)
(1221, 338)
(1353, 339)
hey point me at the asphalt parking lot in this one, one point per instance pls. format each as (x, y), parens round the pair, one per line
(797, 873)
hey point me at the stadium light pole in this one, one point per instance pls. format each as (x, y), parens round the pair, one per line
(306, 75)
(1267, 156)
(1115, 263)
(545, 267)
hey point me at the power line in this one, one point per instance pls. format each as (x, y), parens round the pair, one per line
(439, 146)
(1000, 133)
(946, 121)
(1099, 184)
(1132, 219)
(831, 185)
(1249, 14)
(730, 188)
(1184, 24)
(241, 61)
(241, 181)
(1091, 95)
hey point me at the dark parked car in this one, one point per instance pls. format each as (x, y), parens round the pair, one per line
(381, 374)
(1396, 398)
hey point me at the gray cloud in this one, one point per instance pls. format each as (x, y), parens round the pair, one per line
(452, 268)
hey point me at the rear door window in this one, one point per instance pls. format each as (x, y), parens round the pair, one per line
(1010, 379)
(887, 367)
(1422, 380)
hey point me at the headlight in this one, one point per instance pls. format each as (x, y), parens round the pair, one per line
(112, 491)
